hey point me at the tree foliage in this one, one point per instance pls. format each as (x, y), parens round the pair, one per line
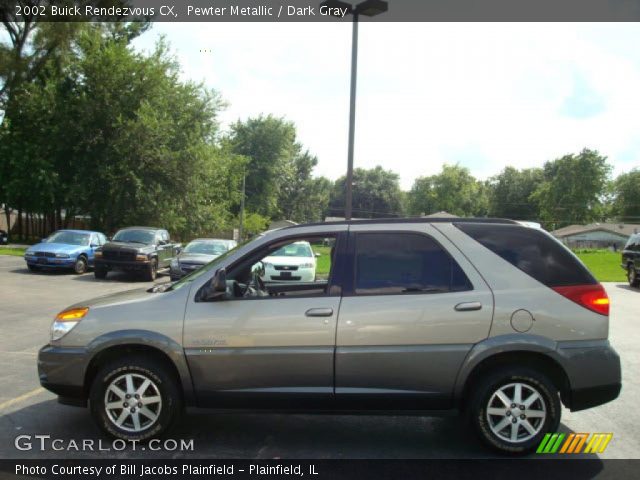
(510, 193)
(453, 190)
(626, 191)
(376, 193)
(572, 189)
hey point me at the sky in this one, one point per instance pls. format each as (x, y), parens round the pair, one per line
(482, 95)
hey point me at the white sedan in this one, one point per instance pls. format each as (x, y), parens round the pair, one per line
(295, 262)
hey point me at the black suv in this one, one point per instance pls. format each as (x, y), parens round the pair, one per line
(631, 259)
(137, 249)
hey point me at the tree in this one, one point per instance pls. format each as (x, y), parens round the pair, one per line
(376, 193)
(626, 202)
(510, 192)
(572, 189)
(269, 144)
(453, 190)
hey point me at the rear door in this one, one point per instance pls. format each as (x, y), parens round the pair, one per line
(412, 309)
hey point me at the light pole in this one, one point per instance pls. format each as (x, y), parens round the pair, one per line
(369, 8)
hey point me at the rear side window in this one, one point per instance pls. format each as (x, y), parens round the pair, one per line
(397, 263)
(533, 251)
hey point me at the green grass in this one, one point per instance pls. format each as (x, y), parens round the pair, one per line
(16, 252)
(323, 265)
(604, 264)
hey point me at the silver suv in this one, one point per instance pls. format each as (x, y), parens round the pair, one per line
(487, 317)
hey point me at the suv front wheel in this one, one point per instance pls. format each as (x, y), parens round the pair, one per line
(513, 408)
(632, 276)
(134, 398)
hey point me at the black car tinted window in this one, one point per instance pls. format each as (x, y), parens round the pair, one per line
(532, 251)
(393, 263)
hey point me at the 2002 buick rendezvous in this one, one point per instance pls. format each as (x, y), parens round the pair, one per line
(487, 317)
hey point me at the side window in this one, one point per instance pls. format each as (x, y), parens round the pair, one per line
(286, 268)
(165, 235)
(102, 239)
(533, 251)
(397, 263)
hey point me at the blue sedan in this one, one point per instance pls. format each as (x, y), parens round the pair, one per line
(70, 249)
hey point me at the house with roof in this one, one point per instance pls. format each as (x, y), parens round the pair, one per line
(596, 235)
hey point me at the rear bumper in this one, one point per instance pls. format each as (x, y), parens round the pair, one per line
(61, 370)
(594, 373)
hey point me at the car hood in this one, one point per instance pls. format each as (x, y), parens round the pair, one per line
(198, 258)
(127, 247)
(119, 298)
(292, 261)
(55, 247)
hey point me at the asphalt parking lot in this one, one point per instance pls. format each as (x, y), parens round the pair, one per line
(28, 302)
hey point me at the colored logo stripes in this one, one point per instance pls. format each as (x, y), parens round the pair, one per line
(574, 443)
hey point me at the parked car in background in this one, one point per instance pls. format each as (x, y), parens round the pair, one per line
(4, 237)
(71, 249)
(197, 253)
(142, 250)
(295, 262)
(485, 317)
(631, 259)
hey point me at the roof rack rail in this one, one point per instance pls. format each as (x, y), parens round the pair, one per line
(374, 221)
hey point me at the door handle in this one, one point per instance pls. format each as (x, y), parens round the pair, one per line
(467, 306)
(319, 312)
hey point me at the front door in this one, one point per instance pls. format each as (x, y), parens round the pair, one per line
(414, 310)
(273, 351)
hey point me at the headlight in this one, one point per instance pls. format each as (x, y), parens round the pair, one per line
(29, 254)
(306, 265)
(62, 255)
(65, 321)
(141, 257)
(174, 264)
(267, 265)
(97, 254)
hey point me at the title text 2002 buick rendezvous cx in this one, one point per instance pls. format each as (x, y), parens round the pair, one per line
(487, 317)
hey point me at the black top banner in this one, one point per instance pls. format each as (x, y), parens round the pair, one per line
(322, 11)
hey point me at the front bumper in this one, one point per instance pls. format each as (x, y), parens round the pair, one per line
(304, 275)
(594, 373)
(62, 371)
(137, 266)
(50, 262)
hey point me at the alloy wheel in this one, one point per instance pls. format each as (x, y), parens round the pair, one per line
(133, 402)
(516, 412)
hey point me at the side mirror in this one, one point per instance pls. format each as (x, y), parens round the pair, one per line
(217, 287)
(258, 269)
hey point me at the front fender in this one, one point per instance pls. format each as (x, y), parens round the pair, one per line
(147, 338)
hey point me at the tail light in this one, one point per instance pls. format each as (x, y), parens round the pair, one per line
(593, 297)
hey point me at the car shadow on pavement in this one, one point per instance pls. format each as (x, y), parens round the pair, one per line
(260, 436)
(625, 286)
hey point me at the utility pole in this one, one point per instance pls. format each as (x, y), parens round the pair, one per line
(244, 178)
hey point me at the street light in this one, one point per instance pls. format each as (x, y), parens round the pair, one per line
(368, 8)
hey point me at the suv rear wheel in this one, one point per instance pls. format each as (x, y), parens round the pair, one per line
(513, 408)
(134, 398)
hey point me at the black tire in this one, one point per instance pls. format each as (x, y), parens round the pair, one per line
(633, 277)
(141, 367)
(33, 268)
(152, 270)
(100, 272)
(482, 393)
(80, 266)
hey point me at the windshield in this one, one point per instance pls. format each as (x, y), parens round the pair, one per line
(293, 250)
(206, 247)
(70, 238)
(135, 236)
